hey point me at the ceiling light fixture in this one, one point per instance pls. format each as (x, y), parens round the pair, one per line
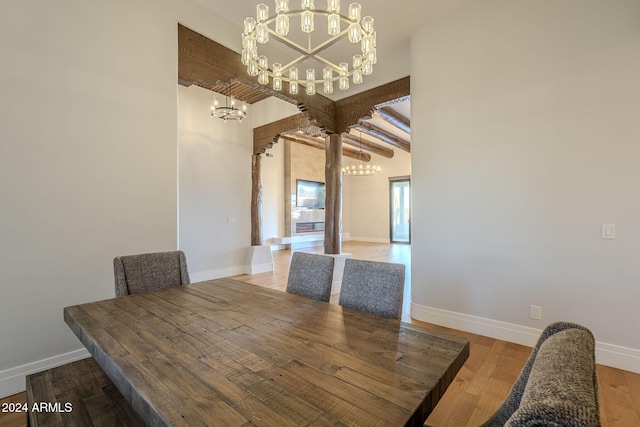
(358, 30)
(232, 109)
(359, 168)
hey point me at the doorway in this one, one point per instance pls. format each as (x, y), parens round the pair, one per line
(400, 209)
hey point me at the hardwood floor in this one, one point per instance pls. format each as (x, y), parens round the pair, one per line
(13, 419)
(486, 377)
(493, 366)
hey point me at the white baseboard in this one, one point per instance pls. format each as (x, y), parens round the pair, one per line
(369, 240)
(202, 276)
(13, 380)
(619, 357)
(257, 269)
(612, 355)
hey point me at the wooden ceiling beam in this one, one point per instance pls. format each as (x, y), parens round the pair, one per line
(204, 62)
(395, 118)
(367, 145)
(320, 144)
(265, 136)
(383, 135)
(349, 110)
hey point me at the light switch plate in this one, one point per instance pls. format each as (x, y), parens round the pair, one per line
(608, 231)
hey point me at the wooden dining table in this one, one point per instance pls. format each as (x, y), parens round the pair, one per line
(225, 352)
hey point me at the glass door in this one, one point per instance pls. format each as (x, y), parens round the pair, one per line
(400, 206)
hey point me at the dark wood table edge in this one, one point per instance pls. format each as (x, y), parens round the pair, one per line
(428, 405)
(142, 407)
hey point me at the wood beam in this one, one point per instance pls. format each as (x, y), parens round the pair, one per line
(367, 145)
(395, 118)
(383, 135)
(349, 110)
(256, 201)
(319, 143)
(204, 62)
(265, 136)
(333, 202)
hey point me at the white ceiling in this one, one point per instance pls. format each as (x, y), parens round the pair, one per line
(395, 22)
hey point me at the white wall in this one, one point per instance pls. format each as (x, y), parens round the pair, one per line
(525, 140)
(366, 198)
(215, 183)
(215, 187)
(88, 158)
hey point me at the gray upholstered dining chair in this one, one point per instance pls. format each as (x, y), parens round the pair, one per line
(557, 386)
(311, 276)
(373, 286)
(135, 274)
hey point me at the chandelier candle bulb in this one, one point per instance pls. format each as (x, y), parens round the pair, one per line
(367, 44)
(333, 6)
(372, 56)
(249, 25)
(262, 33)
(263, 77)
(253, 69)
(357, 77)
(282, 6)
(354, 12)
(357, 61)
(262, 12)
(306, 21)
(282, 25)
(334, 24)
(367, 24)
(250, 44)
(354, 33)
(367, 68)
(328, 87)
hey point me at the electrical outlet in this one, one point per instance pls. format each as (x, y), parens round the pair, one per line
(608, 231)
(536, 312)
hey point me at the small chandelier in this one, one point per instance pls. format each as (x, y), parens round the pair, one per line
(361, 167)
(232, 108)
(358, 30)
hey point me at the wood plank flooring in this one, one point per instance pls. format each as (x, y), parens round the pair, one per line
(484, 380)
(493, 366)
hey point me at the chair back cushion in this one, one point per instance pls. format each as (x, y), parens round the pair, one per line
(374, 287)
(561, 390)
(557, 383)
(311, 275)
(147, 272)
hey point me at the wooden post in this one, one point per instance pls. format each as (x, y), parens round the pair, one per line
(256, 201)
(333, 203)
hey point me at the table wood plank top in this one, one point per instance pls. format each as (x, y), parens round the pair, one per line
(225, 352)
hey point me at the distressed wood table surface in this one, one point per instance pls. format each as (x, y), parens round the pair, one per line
(225, 352)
